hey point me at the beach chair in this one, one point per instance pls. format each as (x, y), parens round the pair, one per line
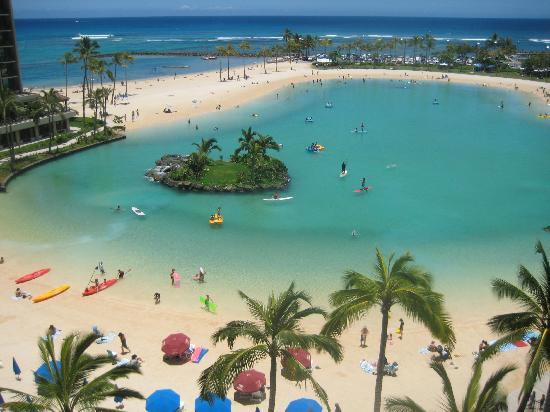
(391, 369)
(112, 355)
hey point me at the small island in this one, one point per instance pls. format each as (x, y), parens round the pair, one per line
(249, 169)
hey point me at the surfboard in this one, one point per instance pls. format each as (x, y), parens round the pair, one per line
(366, 189)
(358, 131)
(50, 293)
(137, 211)
(280, 198)
(31, 276)
(344, 173)
(212, 307)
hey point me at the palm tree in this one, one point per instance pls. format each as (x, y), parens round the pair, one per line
(429, 43)
(309, 43)
(68, 58)
(416, 43)
(49, 101)
(403, 41)
(74, 384)
(197, 163)
(394, 282)
(220, 50)
(326, 42)
(227, 51)
(532, 295)
(274, 330)
(244, 46)
(127, 59)
(96, 101)
(8, 104)
(490, 398)
(266, 142)
(85, 48)
(287, 37)
(116, 60)
(245, 142)
(265, 53)
(206, 146)
(277, 50)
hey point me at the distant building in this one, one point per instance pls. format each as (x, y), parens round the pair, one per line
(10, 74)
(25, 128)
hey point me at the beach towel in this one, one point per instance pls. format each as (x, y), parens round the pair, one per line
(123, 362)
(196, 353)
(424, 351)
(106, 338)
(54, 336)
(367, 367)
(201, 355)
(520, 344)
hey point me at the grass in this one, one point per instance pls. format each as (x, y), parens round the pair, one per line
(221, 173)
(20, 164)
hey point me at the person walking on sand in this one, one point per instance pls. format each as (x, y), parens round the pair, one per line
(337, 407)
(400, 329)
(156, 297)
(172, 276)
(123, 344)
(364, 333)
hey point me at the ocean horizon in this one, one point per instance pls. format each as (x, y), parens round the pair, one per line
(42, 42)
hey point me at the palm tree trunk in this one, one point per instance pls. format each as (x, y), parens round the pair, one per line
(265, 71)
(66, 83)
(547, 404)
(244, 70)
(272, 384)
(381, 359)
(126, 80)
(227, 67)
(114, 86)
(84, 91)
(523, 402)
(276, 61)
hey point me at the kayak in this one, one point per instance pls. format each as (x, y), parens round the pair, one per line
(212, 307)
(31, 276)
(216, 219)
(137, 211)
(92, 290)
(279, 198)
(344, 173)
(50, 293)
(366, 189)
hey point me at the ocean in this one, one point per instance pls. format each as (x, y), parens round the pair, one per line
(42, 42)
(463, 185)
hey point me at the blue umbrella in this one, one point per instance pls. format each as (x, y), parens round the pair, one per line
(216, 405)
(16, 368)
(44, 371)
(1, 400)
(163, 400)
(304, 405)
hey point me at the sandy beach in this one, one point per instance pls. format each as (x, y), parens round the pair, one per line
(146, 324)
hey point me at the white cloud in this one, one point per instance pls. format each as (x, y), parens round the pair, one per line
(186, 7)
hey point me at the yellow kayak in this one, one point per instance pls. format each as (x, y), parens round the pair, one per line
(50, 293)
(216, 219)
(320, 147)
(544, 116)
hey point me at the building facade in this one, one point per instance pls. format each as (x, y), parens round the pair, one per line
(10, 73)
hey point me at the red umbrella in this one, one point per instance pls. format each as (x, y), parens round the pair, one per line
(249, 381)
(176, 344)
(302, 356)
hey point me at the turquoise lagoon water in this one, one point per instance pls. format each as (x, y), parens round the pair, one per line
(468, 197)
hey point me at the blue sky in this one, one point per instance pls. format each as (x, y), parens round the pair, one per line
(427, 8)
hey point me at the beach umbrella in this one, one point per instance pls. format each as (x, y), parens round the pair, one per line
(43, 372)
(249, 381)
(302, 356)
(304, 405)
(163, 400)
(16, 368)
(217, 404)
(176, 344)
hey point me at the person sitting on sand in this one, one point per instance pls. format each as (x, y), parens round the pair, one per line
(135, 361)
(120, 274)
(156, 297)
(483, 345)
(21, 294)
(51, 331)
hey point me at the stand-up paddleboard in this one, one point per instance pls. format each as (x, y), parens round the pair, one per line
(344, 173)
(279, 198)
(92, 290)
(137, 211)
(31, 276)
(358, 131)
(212, 307)
(366, 189)
(50, 293)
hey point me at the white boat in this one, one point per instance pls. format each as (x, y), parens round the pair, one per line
(279, 198)
(137, 211)
(209, 57)
(93, 36)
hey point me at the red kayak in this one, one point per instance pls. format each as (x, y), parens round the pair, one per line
(31, 276)
(92, 290)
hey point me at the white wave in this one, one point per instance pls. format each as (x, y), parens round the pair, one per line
(381, 36)
(268, 37)
(226, 38)
(545, 41)
(474, 39)
(330, 35)
(161, 40)
(443, 38)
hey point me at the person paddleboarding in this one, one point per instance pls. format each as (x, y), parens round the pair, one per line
(343, 167)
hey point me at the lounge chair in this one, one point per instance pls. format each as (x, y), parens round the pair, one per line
(250, 398)
(113, 356)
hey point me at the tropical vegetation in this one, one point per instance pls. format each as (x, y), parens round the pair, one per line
(394, 282)
(273, 329)
(489, 398)
(77, 380)
(532, 297)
